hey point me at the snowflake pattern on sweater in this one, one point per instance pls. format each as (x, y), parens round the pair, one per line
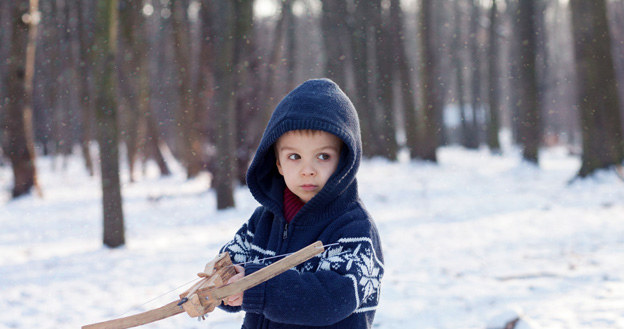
(356, 259)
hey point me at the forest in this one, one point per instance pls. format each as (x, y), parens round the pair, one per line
(197, 80)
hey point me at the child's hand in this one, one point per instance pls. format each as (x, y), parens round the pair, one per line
(236, 300)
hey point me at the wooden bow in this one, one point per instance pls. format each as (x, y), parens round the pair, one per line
(208, 293)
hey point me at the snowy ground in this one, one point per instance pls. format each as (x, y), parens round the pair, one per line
(468, 243)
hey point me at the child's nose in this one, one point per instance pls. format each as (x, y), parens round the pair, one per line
(308, 170)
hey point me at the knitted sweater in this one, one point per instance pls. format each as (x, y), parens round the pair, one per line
(340, 288)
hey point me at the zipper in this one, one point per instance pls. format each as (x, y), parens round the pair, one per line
(285, 233)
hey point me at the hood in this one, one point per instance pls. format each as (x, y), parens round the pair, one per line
(319, 105)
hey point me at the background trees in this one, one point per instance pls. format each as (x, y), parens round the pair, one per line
(194, 81)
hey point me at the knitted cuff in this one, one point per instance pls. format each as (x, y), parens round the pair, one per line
(253, 298)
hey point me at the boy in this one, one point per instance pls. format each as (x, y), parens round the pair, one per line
(303, 176)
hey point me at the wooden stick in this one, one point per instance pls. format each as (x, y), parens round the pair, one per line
(266, 273)
(139, 319)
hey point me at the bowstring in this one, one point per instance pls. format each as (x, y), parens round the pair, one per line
(160, 296)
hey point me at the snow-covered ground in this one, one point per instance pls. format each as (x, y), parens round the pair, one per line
(469, 243)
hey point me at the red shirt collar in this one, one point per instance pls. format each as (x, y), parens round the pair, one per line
(292, 204)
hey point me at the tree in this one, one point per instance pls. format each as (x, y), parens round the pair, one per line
(247, 84)
(361, 72)
(85, 26)
(18, 103)
(335, 41)
(385, 64)
(430, 90)
(530, 125)
(188, 118)
(130, 69)
(493, 82)
(458, 44)
(598, 101)
(476, 101)
(405, 69)
(104, 51)
(225, 173)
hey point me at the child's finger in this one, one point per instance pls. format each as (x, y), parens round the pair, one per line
(235, 300)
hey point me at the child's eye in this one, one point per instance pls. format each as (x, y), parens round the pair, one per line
(323, 156)
(294, 156)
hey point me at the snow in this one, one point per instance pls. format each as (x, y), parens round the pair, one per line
(473, 242)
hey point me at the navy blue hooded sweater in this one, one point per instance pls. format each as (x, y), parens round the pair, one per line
(340, 288)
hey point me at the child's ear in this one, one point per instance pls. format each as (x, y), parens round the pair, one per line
(279, 166)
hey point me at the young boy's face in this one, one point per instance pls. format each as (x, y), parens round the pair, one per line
(306, 159)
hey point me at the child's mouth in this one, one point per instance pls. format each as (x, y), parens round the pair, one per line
(308, 187)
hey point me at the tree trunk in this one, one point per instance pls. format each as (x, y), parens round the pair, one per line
(153, 142)
(5, 39)
(384, 56)
(405, 76)
(84, 11)
(225, 173)
(530, 125)
(459, 67)
(333, 25)
(19, 82)
(106, 116)
(513, 45)
(290, 44)
(270, 76)
(247, 79)
(431, 126)
(476, 101)
(598, 101)
(493, 83)
(362, 100)
(130, 61)
(63, 111)
(188, 131)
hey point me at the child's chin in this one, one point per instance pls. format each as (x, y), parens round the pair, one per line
(306, 196)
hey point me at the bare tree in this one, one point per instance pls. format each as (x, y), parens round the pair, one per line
(404, 67)
(84, 12)
(248, 84)
(335, 41)
(471, 133)
(363, 101)
(290, 44)
(493, 82)
(18, 103)
(385, 64)
(225, 173)
(598, 100)
(458, 46)
(430, 92)
(187, 115)
(5, 39)
(129, 63)
(106, 116)
(530, 124)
